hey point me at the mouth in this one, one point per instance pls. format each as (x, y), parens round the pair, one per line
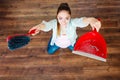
(64, 23)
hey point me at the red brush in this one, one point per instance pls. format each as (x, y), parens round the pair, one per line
(19, 40)
(91, 45)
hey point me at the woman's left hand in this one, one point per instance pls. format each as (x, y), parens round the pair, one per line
(95, 23)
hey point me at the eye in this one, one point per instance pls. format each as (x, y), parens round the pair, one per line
(67, 18)
(60, 18)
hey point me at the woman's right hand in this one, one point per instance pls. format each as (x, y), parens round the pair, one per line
(37, 30)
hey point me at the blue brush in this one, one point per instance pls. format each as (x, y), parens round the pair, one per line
(18, 41)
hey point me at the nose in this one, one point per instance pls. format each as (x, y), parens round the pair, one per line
(64, 21)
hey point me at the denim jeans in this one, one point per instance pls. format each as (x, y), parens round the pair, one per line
(51, 49)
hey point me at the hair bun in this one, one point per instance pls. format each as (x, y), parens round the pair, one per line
(64, 4)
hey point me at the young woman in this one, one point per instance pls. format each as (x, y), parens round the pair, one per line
(64, 28)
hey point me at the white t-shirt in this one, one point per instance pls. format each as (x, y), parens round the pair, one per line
(63, 41)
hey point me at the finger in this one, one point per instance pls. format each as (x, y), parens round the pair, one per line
(32, 29)
(98, 25)
(36, 32)
(93, 27)
(33, 34)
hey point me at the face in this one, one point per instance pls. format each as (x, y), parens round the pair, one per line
(63, 17)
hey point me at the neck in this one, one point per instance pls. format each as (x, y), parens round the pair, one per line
(63, 26)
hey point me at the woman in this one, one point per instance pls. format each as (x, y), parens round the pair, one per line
(64, 28)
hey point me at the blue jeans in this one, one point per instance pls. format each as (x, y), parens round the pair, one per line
(51, 49)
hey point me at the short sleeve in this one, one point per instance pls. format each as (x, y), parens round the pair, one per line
(78, 22)
(49, 25)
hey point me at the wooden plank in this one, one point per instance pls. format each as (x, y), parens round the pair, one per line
(32, 62)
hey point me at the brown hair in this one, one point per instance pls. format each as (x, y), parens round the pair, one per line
(63, 6)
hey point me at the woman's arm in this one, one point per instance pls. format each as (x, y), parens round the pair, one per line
(94, 23)
(44, 26)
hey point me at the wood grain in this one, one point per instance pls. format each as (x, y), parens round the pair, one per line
(32, 62)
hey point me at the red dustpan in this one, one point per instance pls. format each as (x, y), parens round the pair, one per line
(91, 45)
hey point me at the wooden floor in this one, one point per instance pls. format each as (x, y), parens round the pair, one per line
(32, 62)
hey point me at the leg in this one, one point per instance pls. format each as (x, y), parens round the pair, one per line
(71, 47)
(51, 49)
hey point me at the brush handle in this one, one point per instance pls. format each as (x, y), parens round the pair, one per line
(31, 32)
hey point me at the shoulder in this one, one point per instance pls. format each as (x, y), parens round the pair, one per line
(78, 22)
(51, 23)
(76, 19)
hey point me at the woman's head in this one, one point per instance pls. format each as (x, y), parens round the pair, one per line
(64, 6)
(63, 14)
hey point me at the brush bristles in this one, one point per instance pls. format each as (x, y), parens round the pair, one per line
(18, 42)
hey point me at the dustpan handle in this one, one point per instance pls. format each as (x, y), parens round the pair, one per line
(99, 19)
(94, 29)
